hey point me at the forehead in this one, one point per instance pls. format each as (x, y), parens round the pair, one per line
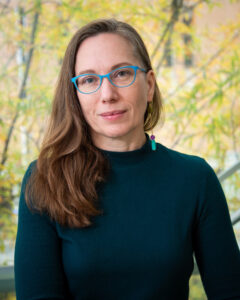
(103, 51)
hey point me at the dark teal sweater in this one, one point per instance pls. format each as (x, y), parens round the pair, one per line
(160, 207)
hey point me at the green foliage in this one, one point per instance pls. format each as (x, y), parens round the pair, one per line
(196, 289)
(8, 296)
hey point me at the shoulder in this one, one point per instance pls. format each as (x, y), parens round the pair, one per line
(28, 203)
(182, 162)
(191, 174)
(30, 169)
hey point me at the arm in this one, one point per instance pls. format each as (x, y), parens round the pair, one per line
(38, 265)
(216, 250)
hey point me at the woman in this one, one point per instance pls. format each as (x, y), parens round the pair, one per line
(106, 213)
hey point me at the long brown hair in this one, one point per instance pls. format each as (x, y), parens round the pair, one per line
(69, 167)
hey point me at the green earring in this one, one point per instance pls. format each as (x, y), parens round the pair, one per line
(154, 146)
(153, 142)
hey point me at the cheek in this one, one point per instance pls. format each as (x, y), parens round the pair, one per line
(142, 98)
(86, 113)
(143, 103)
(85, 105)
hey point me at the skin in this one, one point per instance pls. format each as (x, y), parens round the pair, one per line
(101, 54)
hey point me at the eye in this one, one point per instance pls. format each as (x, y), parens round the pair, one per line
(87, 80)
(122, 73)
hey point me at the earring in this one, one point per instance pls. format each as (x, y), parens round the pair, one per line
(153, 142)
(152, 137)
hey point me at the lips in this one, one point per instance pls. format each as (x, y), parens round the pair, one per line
(112, 113)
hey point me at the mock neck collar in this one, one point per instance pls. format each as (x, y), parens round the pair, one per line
(129, 157)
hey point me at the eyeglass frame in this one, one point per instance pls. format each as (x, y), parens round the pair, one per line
(135, 68)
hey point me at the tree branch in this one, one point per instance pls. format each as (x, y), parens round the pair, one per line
(189, 120)
(191, 117)
(202, 68)
(193, 6)
(21, 93)
(161, 40)
(30, 54)
(164, 50)
(176, 6)
(178, 9)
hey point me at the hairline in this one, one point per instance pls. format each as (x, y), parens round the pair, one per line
(122, 34)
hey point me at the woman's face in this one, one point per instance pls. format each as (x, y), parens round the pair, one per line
(101, 54)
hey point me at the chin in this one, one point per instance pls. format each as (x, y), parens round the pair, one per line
(116, 133)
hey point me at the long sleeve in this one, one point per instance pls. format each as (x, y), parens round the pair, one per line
(38, 267)
(215, 245)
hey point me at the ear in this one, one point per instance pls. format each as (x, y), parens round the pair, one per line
(151, 85)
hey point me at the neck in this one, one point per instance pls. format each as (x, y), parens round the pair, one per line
(120, 144)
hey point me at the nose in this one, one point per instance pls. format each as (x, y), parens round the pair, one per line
(107, 91)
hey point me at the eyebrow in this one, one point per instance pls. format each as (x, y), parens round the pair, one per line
(91, 71)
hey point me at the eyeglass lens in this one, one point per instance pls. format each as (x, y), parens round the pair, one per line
(121, 77)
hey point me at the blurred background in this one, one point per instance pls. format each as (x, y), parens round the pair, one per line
(194, 47)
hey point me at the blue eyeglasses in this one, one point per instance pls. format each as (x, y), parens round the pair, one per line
(120, 77)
